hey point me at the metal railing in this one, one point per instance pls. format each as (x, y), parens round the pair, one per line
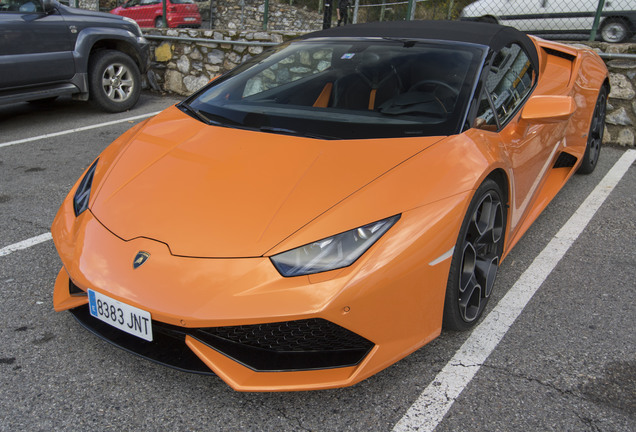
(610, 21)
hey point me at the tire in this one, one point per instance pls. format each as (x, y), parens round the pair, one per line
(159, 22)
(615, 30)
(595, 135)
(114, 81)
(476, 258)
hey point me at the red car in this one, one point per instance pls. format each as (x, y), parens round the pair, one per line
(149, 13)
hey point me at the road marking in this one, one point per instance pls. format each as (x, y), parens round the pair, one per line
(432, 405)
(81, 129)
(24, 244)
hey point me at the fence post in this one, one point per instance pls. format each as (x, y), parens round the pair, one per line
(356, 7)
(450, 9)
(164, 18)
(410, 12)
(597, 19)
(266, 15)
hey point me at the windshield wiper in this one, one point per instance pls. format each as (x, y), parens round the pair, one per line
(285, 131)
(279, 130)
(198, 114)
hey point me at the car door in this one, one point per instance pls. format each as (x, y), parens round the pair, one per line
(570, 15)
(149, 10)
(525, 15)
(134, 10)
(35, 47)
(529, 147)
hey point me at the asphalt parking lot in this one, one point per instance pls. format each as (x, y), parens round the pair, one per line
(567, 363)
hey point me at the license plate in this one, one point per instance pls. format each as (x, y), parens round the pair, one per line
(127, 318)
(189, 19)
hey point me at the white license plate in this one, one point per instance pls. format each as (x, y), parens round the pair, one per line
(189, 19)
(127, 318)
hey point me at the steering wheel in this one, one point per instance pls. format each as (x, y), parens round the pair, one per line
(423, 83)
(437, 83)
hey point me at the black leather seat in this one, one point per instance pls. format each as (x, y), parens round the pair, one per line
(368, 86)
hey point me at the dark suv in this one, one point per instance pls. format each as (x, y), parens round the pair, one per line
(48, 50)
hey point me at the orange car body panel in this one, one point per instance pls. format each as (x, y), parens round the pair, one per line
(304, 190)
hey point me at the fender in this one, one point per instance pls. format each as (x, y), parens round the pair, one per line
(120, 39)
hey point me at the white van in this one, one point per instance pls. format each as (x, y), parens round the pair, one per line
(618, 19)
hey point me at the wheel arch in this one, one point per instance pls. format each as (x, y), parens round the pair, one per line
(606, 84)
(500, 176)
(609, 18)
(118, 45)
(94, 39)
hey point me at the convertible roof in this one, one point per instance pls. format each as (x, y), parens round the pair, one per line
(493, 35)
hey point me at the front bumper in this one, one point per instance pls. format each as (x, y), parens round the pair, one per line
(373, 313)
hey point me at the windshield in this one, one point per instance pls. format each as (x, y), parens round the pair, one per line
(346, 89)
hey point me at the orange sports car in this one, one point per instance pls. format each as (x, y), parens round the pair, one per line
(326, 208)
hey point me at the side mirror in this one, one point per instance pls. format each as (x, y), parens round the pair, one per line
(48, 6)
(548, 109)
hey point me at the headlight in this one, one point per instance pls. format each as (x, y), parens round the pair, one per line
(331, 253)
(83, 192)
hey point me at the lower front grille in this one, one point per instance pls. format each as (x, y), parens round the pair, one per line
(284, 346)
(168, 347)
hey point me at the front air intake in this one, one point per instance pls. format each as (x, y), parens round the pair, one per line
(285, 346)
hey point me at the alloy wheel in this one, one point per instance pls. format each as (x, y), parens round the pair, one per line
(481, 249)
(118, 82)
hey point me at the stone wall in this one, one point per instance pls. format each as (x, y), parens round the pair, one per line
(248, 14)
(621, 108)
(182, 67)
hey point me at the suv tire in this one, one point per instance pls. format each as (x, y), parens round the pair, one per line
(114, 81)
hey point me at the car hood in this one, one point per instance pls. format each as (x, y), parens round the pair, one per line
(209, 191)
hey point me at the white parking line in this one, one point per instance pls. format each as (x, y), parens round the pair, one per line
(432, 405)
(435, 401)
(81, 129)
(24, 244)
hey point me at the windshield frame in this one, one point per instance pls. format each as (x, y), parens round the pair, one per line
(266, 116)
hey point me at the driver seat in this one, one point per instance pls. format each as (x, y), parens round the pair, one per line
(372, 84)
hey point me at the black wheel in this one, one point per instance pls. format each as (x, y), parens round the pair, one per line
(114, 81)
(159, 22)
(595, 136)
(476, 258)
(615, 30)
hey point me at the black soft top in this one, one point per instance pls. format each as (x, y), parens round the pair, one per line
(492, 35)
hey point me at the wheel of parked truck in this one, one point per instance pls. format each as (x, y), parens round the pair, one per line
(159, 22)
(615, 30)
(114, 81)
